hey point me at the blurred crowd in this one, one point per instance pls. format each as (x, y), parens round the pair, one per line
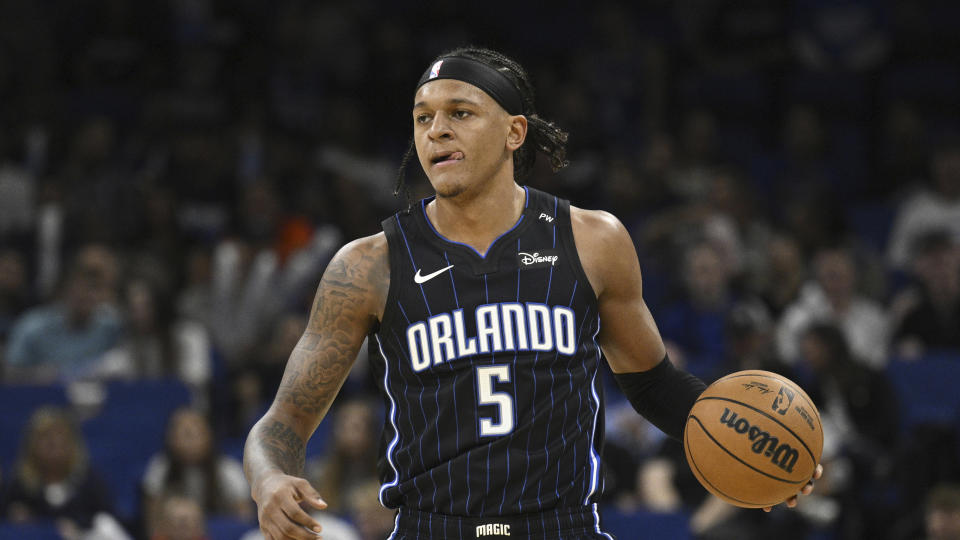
(175, 175)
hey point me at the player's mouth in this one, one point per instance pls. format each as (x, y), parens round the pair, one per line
(443, 159)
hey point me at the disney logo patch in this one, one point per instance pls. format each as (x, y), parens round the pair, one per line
(536, 259)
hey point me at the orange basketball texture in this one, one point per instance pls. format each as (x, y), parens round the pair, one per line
(753, 438)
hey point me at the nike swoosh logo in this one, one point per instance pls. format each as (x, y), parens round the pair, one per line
(422, 279)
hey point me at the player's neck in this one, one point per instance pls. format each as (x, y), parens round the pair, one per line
(478, 218)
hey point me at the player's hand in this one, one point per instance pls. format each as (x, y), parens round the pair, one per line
(807, 489)
(280, 502)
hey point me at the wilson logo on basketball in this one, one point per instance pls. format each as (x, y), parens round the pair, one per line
(782, 455)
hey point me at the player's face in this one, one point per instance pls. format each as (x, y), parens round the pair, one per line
(463, 137)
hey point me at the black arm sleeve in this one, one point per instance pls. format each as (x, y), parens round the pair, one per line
(664, 395)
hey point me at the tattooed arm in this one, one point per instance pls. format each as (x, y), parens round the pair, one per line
(349, 302)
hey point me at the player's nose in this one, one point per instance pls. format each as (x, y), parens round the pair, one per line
(440, 128)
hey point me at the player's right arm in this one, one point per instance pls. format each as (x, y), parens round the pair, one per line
(349, 301)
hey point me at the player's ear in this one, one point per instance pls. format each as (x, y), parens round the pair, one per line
(518, 131)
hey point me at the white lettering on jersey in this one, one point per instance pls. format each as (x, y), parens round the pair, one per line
(535, 257)
(508, 326)
(491, 529)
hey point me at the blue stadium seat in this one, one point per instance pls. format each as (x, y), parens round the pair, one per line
(871, 223)
(128, 430)
(672, 525)
(927, 389)
(17, 403)
(31, 531)
(227, 528)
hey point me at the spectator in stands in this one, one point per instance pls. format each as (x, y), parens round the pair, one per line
(179, 518)
(783, 274)
(724, 217)
(806, 184)
(750, 338)
(67, 338)
(859, 411)
(942, 516)
(928, 314)
(833, 297)
(256, 383)
(696, 322)
(352, 456)
(254, 282)
(697, 156)
(14, 290)
(934, 208)
(190, 465)
(53, 479)
(938, 518)
(17, 188)
(902, 151)
(374, 521)
(849, 36)
(156, 343)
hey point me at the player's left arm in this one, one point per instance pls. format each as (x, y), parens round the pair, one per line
(628, 335)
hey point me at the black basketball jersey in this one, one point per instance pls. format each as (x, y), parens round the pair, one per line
(489, 369)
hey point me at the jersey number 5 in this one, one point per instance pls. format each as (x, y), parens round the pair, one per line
(491, 427)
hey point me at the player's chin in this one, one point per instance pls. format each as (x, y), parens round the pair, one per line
(447, 189)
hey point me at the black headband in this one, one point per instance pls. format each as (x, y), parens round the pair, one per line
(484, 77)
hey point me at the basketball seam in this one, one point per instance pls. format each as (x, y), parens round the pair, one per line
(690, 458)
(736, 457)
(781, 380)
(795, 436)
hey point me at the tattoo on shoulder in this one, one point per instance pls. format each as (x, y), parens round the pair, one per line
(285, 448)
(344, 311)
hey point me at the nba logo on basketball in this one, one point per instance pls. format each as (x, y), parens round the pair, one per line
(782, 402)
(435, 70)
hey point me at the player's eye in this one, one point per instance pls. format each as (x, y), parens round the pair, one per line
(421, 118)
(460, 114)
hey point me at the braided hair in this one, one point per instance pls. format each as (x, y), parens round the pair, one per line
(544, 135)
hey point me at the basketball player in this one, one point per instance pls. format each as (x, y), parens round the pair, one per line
(490, 305)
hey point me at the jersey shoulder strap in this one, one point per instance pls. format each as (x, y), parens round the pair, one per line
(569, 245)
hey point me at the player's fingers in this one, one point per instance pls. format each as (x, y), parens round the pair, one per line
(296, 514)
(818, 472)
(767, 508)
(792, 502)
(807, 489)
(307, 494)
(293, 531)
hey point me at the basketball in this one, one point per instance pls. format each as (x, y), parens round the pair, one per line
(753, 438)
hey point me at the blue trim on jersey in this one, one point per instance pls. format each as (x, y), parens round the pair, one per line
(556, 341)
(396, 436)
(594, 459)
(403, 311)
(596, 522)
(456, 420)
(423, 208)
(556, 201)
(486, 297)
(413, 263)
(516, 353)
(586, 316)
(396, 527)
(563, 437)
(452, 282)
